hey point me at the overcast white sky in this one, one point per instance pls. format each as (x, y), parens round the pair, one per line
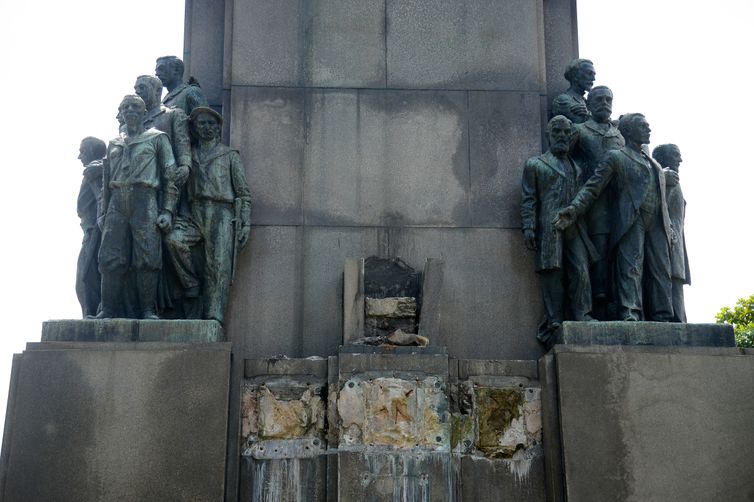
(685, 65)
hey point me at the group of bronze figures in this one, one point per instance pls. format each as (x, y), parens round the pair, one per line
(165, 207)
(605, 218)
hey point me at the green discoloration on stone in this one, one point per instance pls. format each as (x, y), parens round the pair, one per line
(496, 411)
(462, 427)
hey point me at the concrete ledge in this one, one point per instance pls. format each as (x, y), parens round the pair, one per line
(132, 330)
(393, 349)
(476, 367)
(645, 333)
(414, 362)
(311, 366)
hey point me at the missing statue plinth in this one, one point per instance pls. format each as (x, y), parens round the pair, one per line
(387, 302)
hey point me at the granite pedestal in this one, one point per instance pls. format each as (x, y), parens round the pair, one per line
(118, 420)
(662, 418)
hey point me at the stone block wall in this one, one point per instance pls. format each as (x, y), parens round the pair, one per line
(389, 128)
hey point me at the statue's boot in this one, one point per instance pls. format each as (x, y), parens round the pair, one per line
(111, 298)
(146, 285)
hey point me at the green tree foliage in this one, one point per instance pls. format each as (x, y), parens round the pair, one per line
(741, 316)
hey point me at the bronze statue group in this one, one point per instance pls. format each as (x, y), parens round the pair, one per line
(603, 216)
(165, 207)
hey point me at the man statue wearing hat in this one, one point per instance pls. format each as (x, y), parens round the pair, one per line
(183, 95)
(140, 167)
(220, 204)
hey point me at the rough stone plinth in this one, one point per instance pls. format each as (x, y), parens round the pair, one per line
(645, 333)
(648, 423)
(117, 422)
(132, 330)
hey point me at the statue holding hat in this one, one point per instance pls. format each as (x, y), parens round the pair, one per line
(204, 248)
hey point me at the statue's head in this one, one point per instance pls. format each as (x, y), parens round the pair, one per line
(634, 128)
(169, 69)
(133, 110)
(206, 123)
(148, 88)
(90, 149)
(668, 155)
(560, 134)
(599, 102)
(580, 73)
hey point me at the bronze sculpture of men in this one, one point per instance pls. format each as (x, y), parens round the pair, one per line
(641, 232)
(91, 152)
(220, 204)
(580, 73)
(139, 197)
(183, 95)
(669, 157)
(595, 138)
(549, 182)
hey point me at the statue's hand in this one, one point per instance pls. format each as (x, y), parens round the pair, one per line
(565, 218)
(178, 174)
(530, 239)
(243, 236)
(579, 110)
(181, 175)
(165, 221)
(673, 236)
(671, 177)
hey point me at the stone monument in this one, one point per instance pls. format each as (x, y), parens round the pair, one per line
(378, 129)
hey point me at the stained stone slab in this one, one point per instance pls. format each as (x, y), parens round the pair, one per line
(117, 421)
(131, 330)
(384, 476)
(322, 43)
(653, 423)
(464, 44)
(485, 480)
(504, 131)
(389, 158)
(268, 128)
(286, 479)
(204, 46)
(645, 333)
(264, 299)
